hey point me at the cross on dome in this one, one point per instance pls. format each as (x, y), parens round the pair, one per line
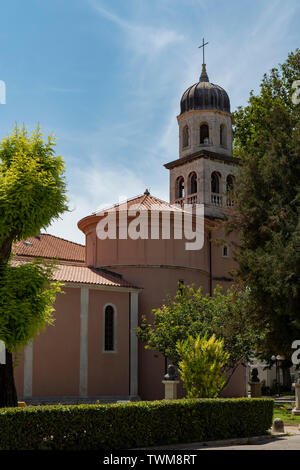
(203, 45)
(203, 76)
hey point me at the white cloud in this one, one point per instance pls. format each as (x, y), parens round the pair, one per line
(142, 38)
(133, 149)
(92, 189)
(260, 47)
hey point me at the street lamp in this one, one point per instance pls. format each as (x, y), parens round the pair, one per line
(278, 360)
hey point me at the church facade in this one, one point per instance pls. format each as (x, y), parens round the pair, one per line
(126, 270)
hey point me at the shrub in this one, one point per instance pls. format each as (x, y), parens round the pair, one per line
(202, 361)
(129, 425)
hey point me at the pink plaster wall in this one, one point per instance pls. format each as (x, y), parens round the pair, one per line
(158, 282)
(56, 350)
(237, 386)
(157, 266)
(108, 372)
(154, 265)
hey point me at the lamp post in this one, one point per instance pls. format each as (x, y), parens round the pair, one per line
(278, 360)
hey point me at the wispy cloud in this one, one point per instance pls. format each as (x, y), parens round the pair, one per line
(93, 189)
(133, 149)
(142, 38)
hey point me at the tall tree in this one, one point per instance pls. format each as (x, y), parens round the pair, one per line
(27, 294)
(32, 194)
(267, 206)
(190, 313)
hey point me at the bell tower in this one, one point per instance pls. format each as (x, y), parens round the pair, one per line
(204, 171)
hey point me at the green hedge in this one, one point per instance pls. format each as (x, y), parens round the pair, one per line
(128, 425)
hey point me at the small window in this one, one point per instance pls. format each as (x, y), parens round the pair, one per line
(185, 137)
(204, 134)
(109, 327)
(230, 190)
(225, 251)
(229, 183)
(222, 136)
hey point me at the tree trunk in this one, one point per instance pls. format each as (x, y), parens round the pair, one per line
(8, 393)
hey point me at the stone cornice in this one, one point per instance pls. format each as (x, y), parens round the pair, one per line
(202, 154)
(202, 111)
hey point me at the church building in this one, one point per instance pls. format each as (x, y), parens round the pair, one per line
(92, 352)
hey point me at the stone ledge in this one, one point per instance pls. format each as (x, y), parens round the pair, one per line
(69, 400)
(224, 442)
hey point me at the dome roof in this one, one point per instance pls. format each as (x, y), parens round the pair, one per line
(204, 95)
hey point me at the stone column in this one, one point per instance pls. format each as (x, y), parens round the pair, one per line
(255, 388)
(170, 383)
(296, 410)
(133, 345)
(255, 384)
(170, 389)
(83, 364)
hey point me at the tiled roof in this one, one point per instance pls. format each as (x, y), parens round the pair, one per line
(71, 259)
(86, 275)
(49, 246)
(144, 202)
(78, 274)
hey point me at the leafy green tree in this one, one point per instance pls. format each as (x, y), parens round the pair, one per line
(202, 366)
(27, 294)
(32, 195)
(190, 313)
(267, 207)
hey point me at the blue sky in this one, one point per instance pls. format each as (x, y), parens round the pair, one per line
(106, 77)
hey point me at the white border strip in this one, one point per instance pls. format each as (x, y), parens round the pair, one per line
(133, 344)
(28, 367)
(83, 366)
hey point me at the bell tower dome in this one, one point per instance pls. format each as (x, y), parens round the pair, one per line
(204, 171)
(205, 121)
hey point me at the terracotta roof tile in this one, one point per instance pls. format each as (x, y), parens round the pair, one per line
(144, 202)
(86, 275)
(74, 273)
(49, 246)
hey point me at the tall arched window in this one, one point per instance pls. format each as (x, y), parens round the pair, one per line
(229, 190)
(180, 187)
(185, 137)
(215, 183)
(229, 183)
(204, 134)
(192, 183)
(223, 135)
(109, 328)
